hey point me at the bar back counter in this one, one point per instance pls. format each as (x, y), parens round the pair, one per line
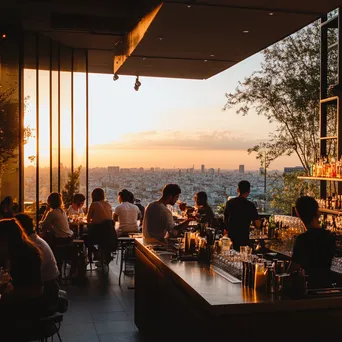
(187, 301)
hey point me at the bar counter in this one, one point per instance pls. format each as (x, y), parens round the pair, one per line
(195, 300)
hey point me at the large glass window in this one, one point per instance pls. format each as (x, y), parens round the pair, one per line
(9, 116)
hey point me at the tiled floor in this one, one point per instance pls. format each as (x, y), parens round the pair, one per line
(100, 310)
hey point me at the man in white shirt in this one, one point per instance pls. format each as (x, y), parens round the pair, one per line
(127, 214)
(158, 221)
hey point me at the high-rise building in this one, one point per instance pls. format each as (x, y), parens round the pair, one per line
(211, 171)
(242, 169)
(202, 168)
(293, 169)
(113, 170)
(218, 171)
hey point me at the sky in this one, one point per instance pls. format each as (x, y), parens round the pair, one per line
(168, 123)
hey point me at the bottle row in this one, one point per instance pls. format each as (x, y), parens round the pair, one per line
(333, 202)
(327, 167)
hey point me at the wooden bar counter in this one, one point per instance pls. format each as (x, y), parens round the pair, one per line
(184, 300)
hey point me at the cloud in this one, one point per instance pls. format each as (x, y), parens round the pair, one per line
(172, 139)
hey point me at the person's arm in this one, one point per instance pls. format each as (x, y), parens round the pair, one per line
(90, 213)
(295, 259)
(176, 230)
(255, 217)
(226, 213)
(47, 223)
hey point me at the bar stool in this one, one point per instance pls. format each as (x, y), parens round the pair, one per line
(127, 252)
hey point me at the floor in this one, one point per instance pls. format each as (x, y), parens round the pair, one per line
(99, 309)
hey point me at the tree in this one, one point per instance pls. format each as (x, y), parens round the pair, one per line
(9, 127)
(286, 91)
(285, 189)
(72, 186)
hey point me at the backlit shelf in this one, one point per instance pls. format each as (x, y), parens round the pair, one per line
(320, 178)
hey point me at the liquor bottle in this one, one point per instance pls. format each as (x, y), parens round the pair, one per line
(333, 168)
(338, 169)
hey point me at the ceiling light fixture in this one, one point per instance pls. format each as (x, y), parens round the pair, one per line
(245, 31)
(212, 55)
(3, 36)
(115, 77)
(160, 38)
(189, 6)
(137, 84)
(271, 13)
(205, 60)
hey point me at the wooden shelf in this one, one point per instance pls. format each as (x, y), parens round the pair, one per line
(320, 178)
(330, 211)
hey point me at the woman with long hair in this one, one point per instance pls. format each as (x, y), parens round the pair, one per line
(100, 225)
(21, 257)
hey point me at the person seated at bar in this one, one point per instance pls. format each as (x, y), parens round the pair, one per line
(57, 233)
(239, 212)
(202, 209)
(22, 259)
(137, 202)
(6, 207)
(158, 222)
(76, 207)
(313, 250)
(55, 219)
(49, 267)
(100, 214)
(127, 214)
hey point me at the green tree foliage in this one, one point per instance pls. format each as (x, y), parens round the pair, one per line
(286, 91)
(71, 187)
(285, 189)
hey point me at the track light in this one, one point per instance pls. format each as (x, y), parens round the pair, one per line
(137, 84)
(115, 77)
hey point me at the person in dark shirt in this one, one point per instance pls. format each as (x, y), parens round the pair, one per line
(202, 208)
(238, 215)
(313, 250)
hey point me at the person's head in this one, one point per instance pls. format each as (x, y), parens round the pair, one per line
(201, 198)
(26, 222)
(244, 188)
(307, 209)
(130, 197)
(12, 238)
(171, 193)
(55, 200)
(97, 195)
(78, 200)
(124, 195)
(7, 202)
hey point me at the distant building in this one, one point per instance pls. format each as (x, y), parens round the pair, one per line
(293, 169)
(179, 172)
(218, 171)
(211, 171)
(113, 170)
(242, 169)
(202, 168)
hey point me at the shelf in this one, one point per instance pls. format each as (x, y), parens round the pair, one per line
(330, 99)
(328, 138)
(320, 178)
(330, 211)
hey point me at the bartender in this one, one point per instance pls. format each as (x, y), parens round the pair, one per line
(313, 250)
(238, 215)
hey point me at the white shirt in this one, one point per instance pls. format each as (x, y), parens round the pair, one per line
(49, 266)
(128, 215)
(100, 211)
(157, 221)
(57, 220)
(72, 211)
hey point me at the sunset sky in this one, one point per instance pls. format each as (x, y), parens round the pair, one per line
(168, 123)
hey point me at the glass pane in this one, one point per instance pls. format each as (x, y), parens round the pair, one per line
(65, 112)
(9, 118)
(30, 124)
(80, 117)
(54, 81)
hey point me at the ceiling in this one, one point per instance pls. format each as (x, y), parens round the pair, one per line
(185, 39)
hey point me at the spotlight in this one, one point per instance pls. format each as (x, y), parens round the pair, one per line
(3, 35)
(115, 77)
(137, 84)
